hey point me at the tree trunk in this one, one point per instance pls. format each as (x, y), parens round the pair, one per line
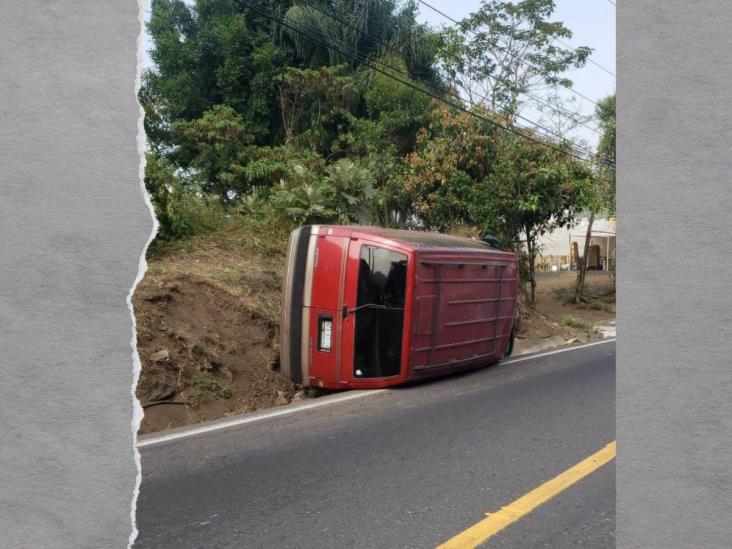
(580, 284)
(532, 267)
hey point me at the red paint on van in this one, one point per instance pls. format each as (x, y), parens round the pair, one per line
(366, 307)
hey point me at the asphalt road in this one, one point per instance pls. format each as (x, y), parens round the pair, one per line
(408, 467)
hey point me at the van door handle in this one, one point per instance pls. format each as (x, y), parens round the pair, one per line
(346, 310)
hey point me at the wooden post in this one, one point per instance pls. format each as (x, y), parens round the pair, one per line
(570, 249)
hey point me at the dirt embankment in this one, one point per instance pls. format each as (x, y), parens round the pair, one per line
(204, 355)
(556, 321)
(207, 330)
(207, 327)
(555, 290)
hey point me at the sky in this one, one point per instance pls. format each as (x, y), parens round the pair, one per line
(592, 23)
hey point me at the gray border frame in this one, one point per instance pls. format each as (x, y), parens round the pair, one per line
(674, 465)
(74, 223)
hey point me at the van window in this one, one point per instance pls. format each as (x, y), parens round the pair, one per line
(382, 281)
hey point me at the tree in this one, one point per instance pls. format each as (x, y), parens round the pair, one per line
(213, 52)
(400, 108)
(454, 154)
(605, 112)
(349, 31)
(165, 192)
(604, 197)
(535, 189)
(351, 191)
(505, 50)
(561, 115)
(311, 100)
(465, 171)
(229, 87)
(221, 151)
(304, 204)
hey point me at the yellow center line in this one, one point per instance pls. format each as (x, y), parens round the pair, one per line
(495, 522)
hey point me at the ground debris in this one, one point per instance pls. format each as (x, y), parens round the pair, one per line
(159, 356)
(281, 398)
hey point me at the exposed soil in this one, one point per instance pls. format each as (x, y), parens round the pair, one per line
(549, 304)
(558, 322)
(207, 320)
(537, 332)
(200, 346)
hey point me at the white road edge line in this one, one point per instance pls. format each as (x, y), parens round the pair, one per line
(323, 401)
(555, 351)
(251, 418)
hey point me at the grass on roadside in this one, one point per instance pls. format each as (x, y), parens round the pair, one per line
(246, 257)
(206, 386)
(577, 323)
(594, 297)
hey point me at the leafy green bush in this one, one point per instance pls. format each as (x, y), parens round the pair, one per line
(180, 212)
(223, 148)
(344, 193)
(350, 190)
(305, 203)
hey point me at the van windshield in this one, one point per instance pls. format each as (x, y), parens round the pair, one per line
(382, 281)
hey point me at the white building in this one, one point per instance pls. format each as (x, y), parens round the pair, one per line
(561, 249)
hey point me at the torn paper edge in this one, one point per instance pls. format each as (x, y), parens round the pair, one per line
(137, 412)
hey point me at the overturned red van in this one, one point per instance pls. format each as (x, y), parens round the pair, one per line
(368, 307)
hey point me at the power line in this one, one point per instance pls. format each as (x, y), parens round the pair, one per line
(364, 60)
(383, 42)
(443, 14)
(332, 15)
(612, 3)
(278, 19)
(563, 43)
